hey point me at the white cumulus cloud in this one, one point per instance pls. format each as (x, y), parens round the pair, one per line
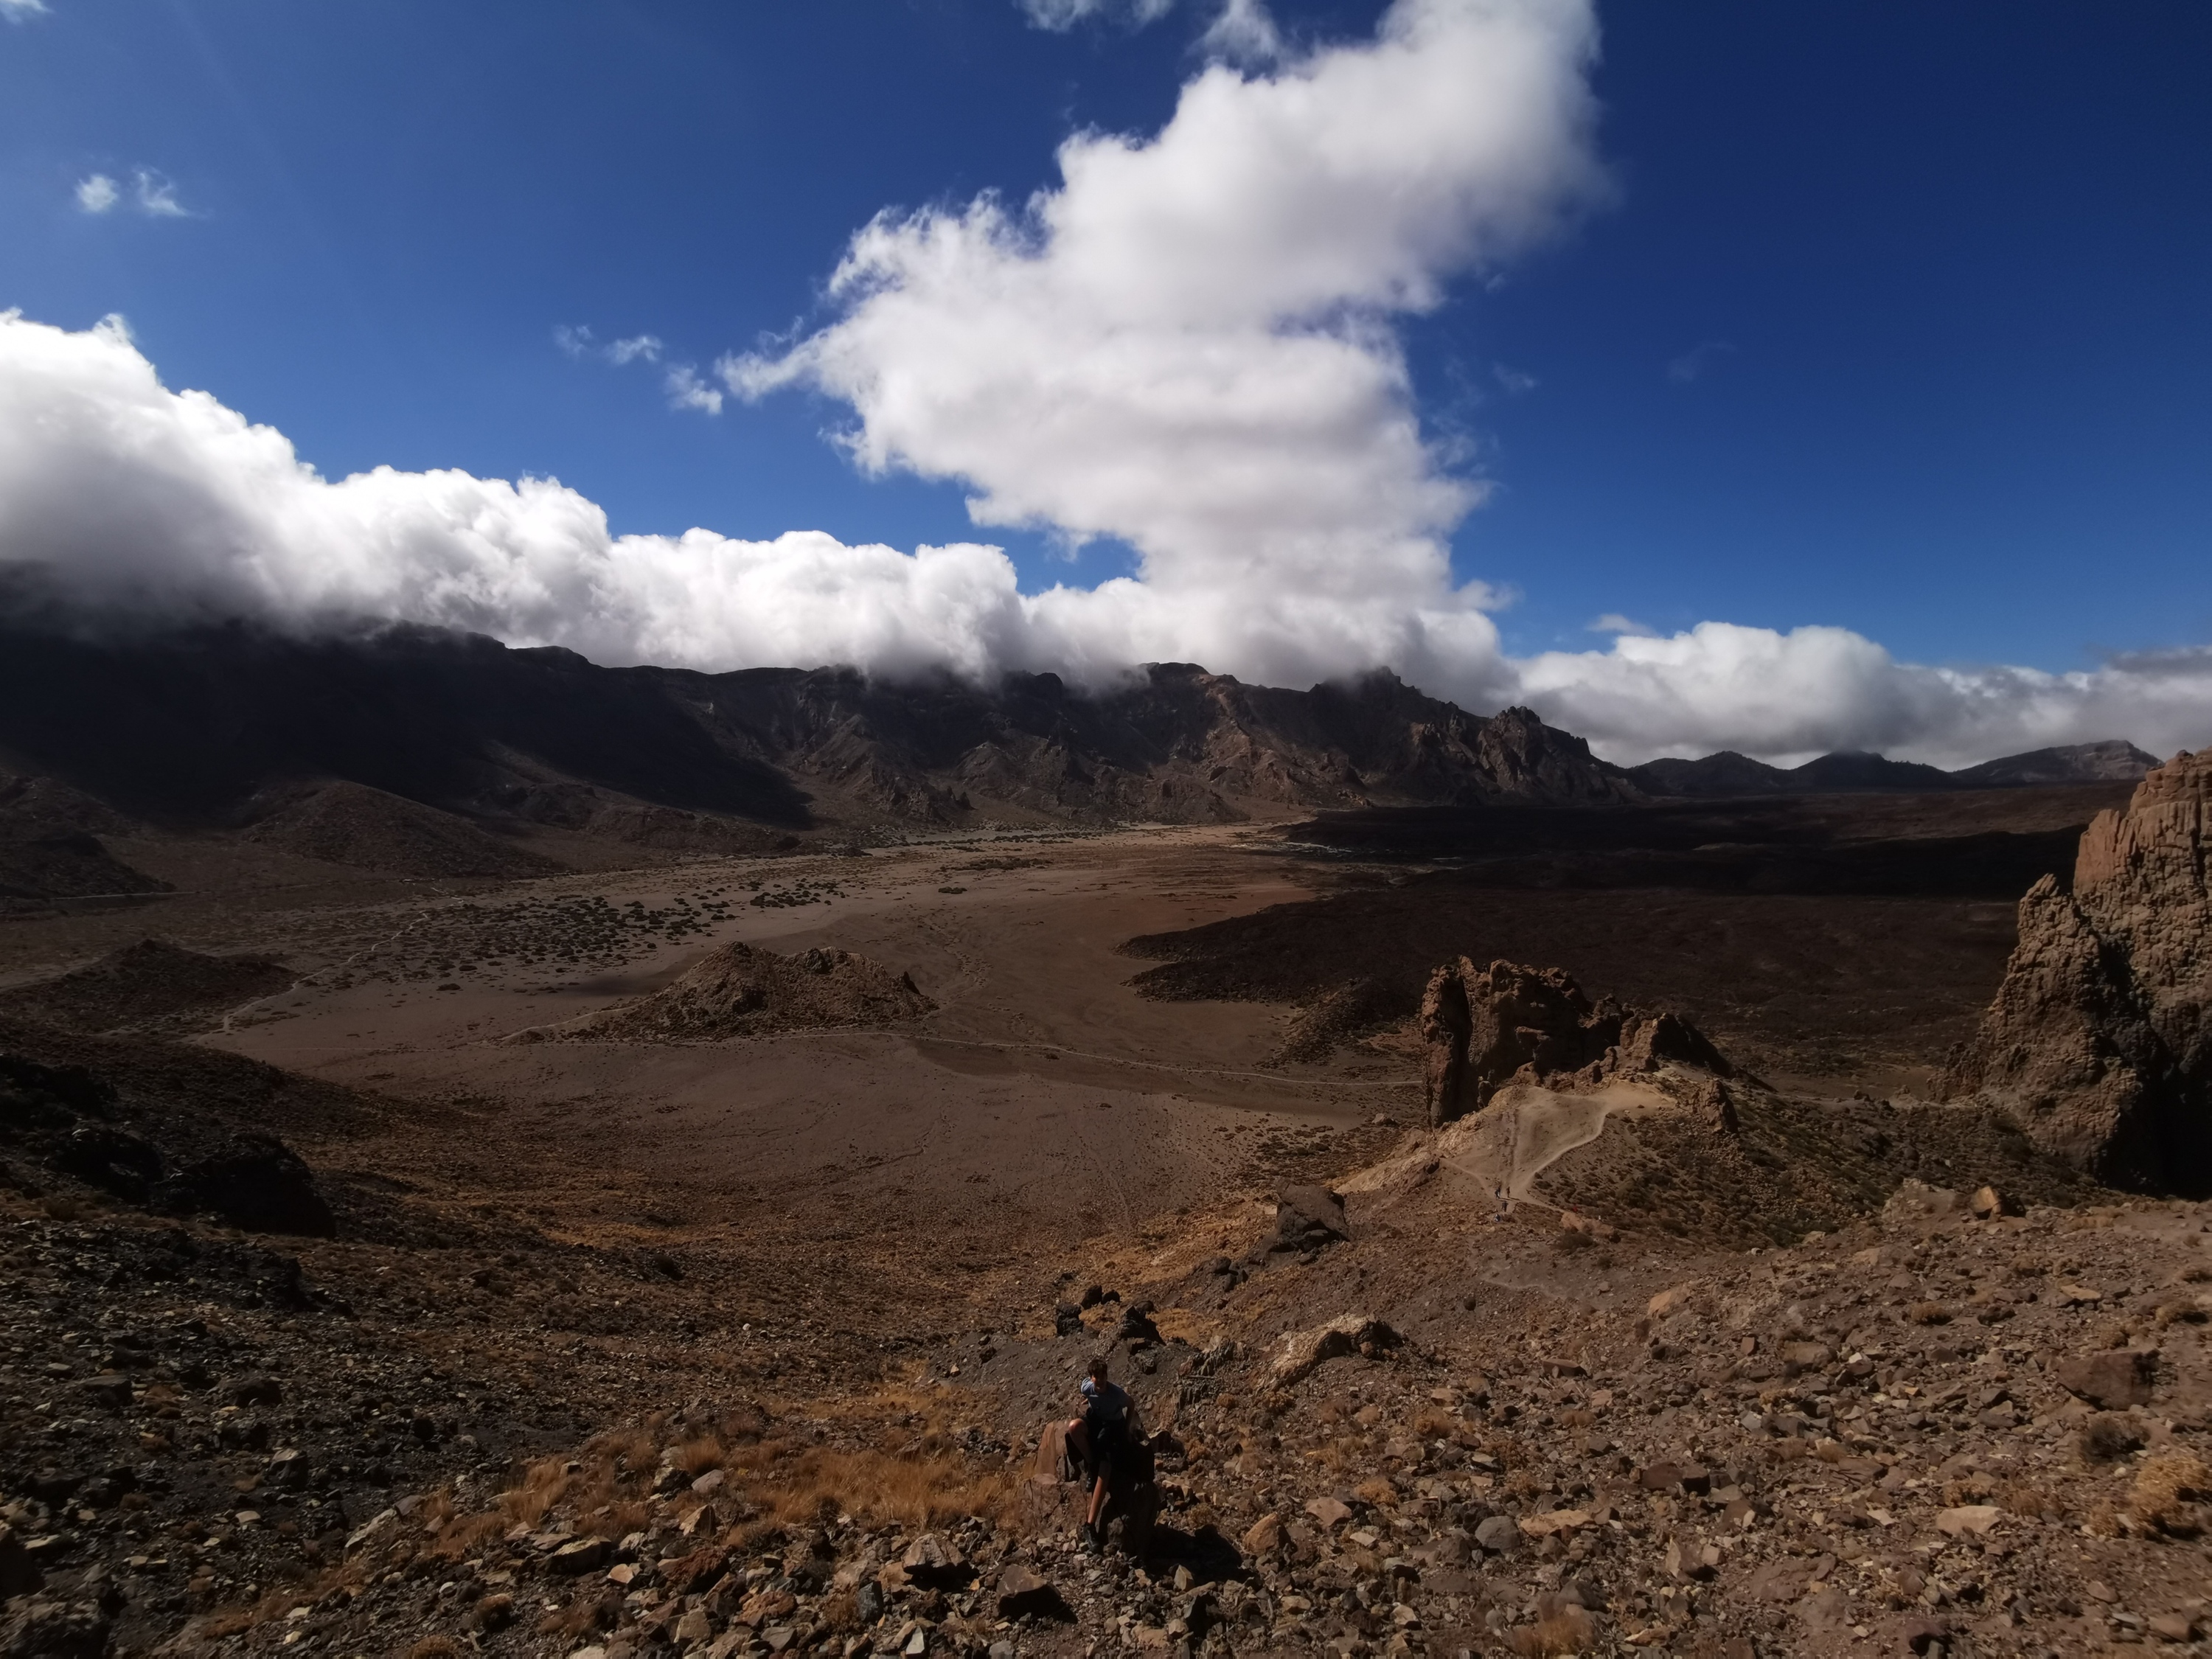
(21, 11)
(98, 194)
(1189, 343)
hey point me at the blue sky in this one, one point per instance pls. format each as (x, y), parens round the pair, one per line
(1891, 317)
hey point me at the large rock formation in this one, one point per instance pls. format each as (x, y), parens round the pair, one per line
(2100, 1037)
(1487, 1027)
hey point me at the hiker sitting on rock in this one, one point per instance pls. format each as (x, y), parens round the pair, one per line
(1098, 1436)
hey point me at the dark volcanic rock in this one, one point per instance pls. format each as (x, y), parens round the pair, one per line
(2100, 1037)
(256, 1182)
(69, 1119)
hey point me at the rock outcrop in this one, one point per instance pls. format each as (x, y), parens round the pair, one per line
(740, 990)
(1487, 1027)
(2100, 1037)
(154, 986)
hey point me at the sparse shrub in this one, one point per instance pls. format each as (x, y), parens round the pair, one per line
(1435, 1424)
(493, 1613)
(1929, 1313)
(2026, 1498)
(1379, 1492)
(2108, 1438)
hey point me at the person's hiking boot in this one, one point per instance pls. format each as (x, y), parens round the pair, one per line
(1094, 1539)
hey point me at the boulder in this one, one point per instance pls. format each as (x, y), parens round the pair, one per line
(255, 1182)
(1497, 1535)
(2099, 1040)
(581, 1556)
(1264, 1536)
(2111, 1381)
(19, 1573)
(1308, 1216)
(1022, 1593)
(1299, 1352)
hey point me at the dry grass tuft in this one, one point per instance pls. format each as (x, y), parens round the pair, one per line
(1929, 1313)
(1569, 1630)
(841, 1612)
(919, 1490)
(584, 1614)
(696, 1457)
(2168, 1489)
(543, 1484)
(1435, 1424)
(635, 1449)
(435, 1647)
(2026, 1498)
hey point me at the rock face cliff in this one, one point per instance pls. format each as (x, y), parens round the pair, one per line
(2100, 1037)
(1488, 1027)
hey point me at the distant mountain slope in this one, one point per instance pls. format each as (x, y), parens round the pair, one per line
(1727, 773)
(205, 728)
(2110, 762)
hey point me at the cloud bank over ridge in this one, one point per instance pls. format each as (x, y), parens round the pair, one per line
(124, 494)
(1189, 344)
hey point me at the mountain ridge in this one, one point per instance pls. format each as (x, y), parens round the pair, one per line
(230, 727)
(1727, 773)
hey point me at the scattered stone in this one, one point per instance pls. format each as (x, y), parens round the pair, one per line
(583, 1555)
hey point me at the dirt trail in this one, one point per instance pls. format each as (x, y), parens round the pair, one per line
(1512, 1141)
